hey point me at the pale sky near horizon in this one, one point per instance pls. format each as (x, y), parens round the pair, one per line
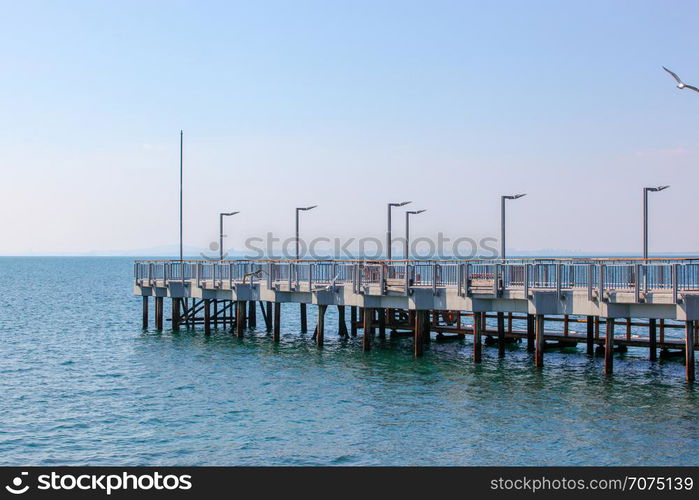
(347, 105)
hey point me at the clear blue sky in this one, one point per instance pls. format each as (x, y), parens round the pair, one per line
(347, 105)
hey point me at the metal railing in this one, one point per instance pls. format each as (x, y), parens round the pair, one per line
(595, 275)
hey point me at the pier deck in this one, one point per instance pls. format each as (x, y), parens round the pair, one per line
(435, 296)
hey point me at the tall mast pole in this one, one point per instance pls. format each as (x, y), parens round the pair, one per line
(181, 141)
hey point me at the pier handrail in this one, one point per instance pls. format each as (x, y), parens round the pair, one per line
(596, 275)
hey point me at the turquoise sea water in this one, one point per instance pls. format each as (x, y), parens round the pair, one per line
(82, 383)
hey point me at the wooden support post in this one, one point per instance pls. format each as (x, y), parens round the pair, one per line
(304, 321)
(207, 316)
(266, 309)
(530, 332)
(509, 322)
(240, 318)
(342, 325)
(597, 327)
(252, 314)
(539, 351)
(216, 313)
(185, 312)
(382, 323)
(590, 335)
(244, 313)
(425, 334)
(501, 334)
(366, 340)
(653, 344)
(689, 352)
(277, 320)
(609, 347)
(176, 314)
(418, 340)
(566, 325)
(320, 329)
(353, 320)
(628, 329)
(145, 312)
(158, 313)
(477, 336)
(662, 330)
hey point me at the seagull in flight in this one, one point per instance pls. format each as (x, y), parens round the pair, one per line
(680, 84)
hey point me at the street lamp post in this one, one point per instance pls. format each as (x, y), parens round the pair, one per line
(299, 209)
(304, 321)
(645, 216)
(388, 231)
(502, 220)
(220, 233)
(407, 230)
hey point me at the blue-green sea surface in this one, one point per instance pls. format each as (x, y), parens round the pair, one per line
(82, 383)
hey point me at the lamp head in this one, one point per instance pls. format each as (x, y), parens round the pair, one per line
(415, 212)
(401, 204)
(307, 208)
(229, 213)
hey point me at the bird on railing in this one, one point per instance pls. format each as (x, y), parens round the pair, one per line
(331, 286)
(256, 274)
(680, 83)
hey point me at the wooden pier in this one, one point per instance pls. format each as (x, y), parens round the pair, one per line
(445, 298)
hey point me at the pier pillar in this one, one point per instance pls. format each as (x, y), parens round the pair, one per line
(267, 314)
(566, 325)
(240, 318)
(320, 329)
(277, 321)
(342, 325)
(216, 313)
(662, 330)
(158, 313)
(366, 339)
(477, 336)
(382, 323)
(509, 322)
(501, 334)
(353, 320)
(539, 351)
(207, 316)
(609, 347)
(185, 312)
(425, 334)
(689, 352)
(243, 313)
(176, 314)
(628, 329)
(653, 347)
(252, 314)
(418, 340)
(145, 312)
(590, 335)
(530, 332)
(304, 321)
